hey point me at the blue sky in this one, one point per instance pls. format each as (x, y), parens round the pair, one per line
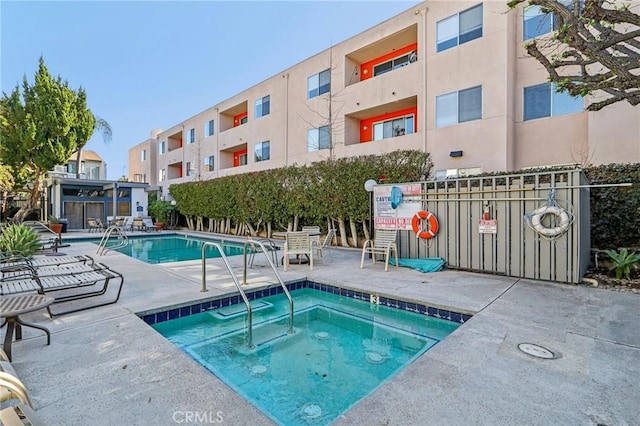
(148, 65)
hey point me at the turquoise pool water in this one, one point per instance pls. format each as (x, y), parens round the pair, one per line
(172, 248)
(341, 350)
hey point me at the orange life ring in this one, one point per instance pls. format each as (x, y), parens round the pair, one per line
(416, 223)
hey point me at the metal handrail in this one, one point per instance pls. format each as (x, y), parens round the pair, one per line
(124, 240)
(239, 287)
(275, 271)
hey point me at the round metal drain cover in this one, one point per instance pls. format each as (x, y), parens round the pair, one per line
(536, 350)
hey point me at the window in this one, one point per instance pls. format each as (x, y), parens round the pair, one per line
(318, 84)
(189, 168)
(398, 126)
(243, 159)
(537, 23)
(262, 151)
(208, 163)
(318, 139)
(542, 100)
(71, 167)
(262, 107)
(143, 155)
(208, 128)
(460, 28)
(394, 63)
(191, 136)
(243, 120)
(161, 175)
(137, 178)
(458, 107)
(162, 147)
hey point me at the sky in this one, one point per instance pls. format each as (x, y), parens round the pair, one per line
(152, 64)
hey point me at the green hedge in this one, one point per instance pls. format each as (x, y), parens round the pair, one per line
(330, 191)
(615, 211)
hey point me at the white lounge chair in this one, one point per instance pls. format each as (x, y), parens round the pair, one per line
(383, 244)
(148, 225)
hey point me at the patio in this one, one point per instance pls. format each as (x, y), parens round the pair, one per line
(105, 366)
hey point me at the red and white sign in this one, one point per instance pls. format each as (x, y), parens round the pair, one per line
(488, 226)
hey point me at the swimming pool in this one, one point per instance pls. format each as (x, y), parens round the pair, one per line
(341, 350)
(172, 248)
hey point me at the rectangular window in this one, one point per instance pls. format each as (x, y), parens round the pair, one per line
(191, 136)
(319, 84)
(162, 147)
(542, 101)
(394, 64)
(262, 151)
(208, 128)
(318, 139)
(138, 178)
(71, 167)
(460, 28)
(143, 155)
(398, 126)
(262, 107)
(243, 159)
(208, 164)
(243, 120)
(459, 107)
(537, 23)
(161, 175)
(189, 169)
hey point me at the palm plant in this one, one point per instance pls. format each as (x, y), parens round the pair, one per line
(623, 261)
(99, 124)
(19, 241)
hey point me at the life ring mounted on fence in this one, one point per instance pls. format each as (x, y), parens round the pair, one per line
(416, 223)
(559, 212)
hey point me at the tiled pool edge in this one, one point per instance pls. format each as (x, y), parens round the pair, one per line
(165, 314)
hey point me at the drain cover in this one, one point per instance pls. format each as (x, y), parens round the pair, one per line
(536, 350)
(258, 370)
(312, 411)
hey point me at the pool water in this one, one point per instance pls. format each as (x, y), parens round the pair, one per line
(172, 248)
(341, 350)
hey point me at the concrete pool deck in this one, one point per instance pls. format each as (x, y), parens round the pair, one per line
(105, 366)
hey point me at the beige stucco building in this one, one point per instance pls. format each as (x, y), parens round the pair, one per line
(447, 77)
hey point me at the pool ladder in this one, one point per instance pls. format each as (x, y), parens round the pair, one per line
(244, 281)
(122, 237)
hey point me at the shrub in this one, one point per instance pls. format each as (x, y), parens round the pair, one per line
(623, 261)
(19, 240)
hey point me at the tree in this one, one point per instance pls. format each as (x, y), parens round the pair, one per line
(595, 47)
(40, 128)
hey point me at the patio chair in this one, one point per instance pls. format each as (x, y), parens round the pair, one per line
(298, 243)
(75, 281)
(314, 231)
(383, 244)
(19, 412)
(93, 225)
(44, 261)
(148, 225)
(269, 245)
(326, 244)
(138, 224)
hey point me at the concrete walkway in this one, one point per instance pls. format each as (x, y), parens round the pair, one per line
(105, 366)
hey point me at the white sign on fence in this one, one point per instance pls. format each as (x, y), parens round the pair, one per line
(400, 218)
(488, 226)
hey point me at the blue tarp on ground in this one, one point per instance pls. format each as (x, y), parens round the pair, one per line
(429, 264)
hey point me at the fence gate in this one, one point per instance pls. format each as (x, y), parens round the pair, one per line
(485, 223)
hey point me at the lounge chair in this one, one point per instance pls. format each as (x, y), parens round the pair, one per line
(76, 281)
(41, 261)
(326, 244)
(148, 225)
(383, 244)
(298, 243)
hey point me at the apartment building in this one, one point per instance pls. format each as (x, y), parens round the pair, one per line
(447, 77)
